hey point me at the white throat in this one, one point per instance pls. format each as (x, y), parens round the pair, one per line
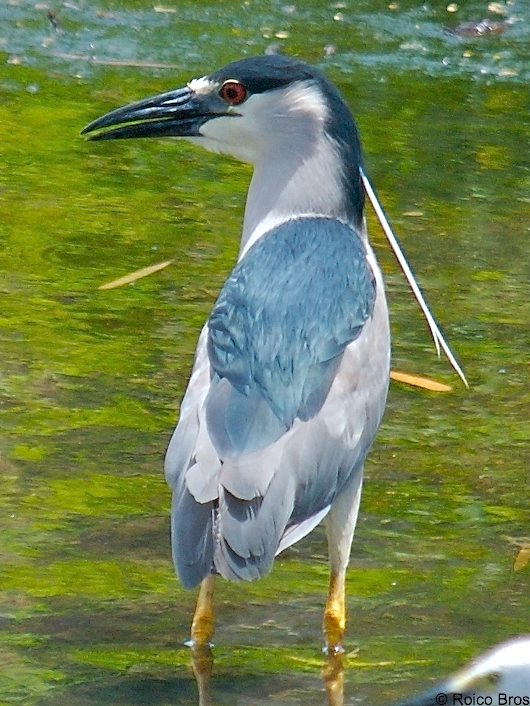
(297, 165)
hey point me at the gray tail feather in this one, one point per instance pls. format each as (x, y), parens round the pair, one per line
(235, 538)
(250, 532)
(234, 567)
(195, 552)
(192, 526)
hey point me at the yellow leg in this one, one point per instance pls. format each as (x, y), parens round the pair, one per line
(335, 614)
(340, 525)
(203, 624)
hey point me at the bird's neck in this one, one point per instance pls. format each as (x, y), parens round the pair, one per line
(286, 184)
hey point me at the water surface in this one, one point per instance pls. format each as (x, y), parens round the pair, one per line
(90, 612)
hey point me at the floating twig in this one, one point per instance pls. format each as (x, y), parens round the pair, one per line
(420, 381)
(134, 276)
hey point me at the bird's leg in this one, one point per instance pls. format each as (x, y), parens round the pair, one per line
(340, 526)
(335, 613)
(203, 623)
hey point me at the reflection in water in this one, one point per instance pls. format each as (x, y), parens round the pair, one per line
(333, 676)
(202, 664)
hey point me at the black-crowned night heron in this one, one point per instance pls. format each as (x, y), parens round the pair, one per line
(501, 677)
(291, 371)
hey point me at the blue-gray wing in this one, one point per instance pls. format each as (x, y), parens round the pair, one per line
(286, 394)
(279, 328)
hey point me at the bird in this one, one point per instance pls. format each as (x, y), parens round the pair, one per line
(501, 676)
(291, 370)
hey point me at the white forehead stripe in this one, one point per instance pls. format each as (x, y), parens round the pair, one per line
(202, 86)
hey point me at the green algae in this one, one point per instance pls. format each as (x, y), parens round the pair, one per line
(90, 612)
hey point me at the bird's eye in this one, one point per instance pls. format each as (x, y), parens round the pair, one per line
(233, 93)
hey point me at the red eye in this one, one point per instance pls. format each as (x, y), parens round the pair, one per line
(233, 93)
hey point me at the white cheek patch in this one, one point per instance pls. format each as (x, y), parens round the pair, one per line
(218, 129)
(228, 134)
(306, 97)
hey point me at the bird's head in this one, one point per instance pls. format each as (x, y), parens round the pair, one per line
(503, 670)
(247, 109)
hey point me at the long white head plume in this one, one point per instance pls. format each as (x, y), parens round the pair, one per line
(437, 336)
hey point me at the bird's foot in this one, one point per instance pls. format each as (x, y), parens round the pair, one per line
(334, 625)
(202, 630)
(203, 624)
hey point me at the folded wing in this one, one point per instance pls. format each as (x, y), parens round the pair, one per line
(253, 449)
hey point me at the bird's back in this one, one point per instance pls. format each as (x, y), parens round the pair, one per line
(286, 395)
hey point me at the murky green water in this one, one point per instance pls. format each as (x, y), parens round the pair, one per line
(90, 612)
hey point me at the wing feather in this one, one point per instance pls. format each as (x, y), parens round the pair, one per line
(279, 328)
(286, 394)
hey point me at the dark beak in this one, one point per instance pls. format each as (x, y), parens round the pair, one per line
(177, 113)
